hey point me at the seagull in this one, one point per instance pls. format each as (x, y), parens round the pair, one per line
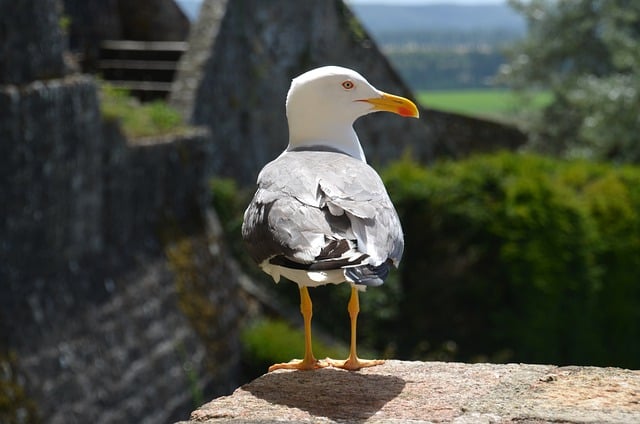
(321, 214)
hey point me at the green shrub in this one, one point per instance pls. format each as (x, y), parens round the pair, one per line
(519, 257)
(269, 341)
(138, 119)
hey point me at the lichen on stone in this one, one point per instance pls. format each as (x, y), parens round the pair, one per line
(15, 404)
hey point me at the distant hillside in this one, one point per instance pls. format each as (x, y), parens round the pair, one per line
(385, 18)
(443, 46)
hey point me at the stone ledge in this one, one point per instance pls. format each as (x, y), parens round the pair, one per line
(424, 392)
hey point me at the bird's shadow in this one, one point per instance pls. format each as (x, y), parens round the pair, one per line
(332, 393)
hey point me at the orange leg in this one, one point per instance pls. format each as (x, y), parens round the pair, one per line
(354, 363)
(309, 362)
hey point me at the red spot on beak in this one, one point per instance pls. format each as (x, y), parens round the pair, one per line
(403, 111)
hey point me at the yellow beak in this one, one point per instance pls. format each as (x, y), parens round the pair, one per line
(396, 104)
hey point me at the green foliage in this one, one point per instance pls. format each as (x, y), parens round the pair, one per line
(269, 341)
(520, 257)
(192, 269)
(611, 125)
(356, 29)
(587, 53)
(65, 23)
(137, 119)
(229, 202)
(493, 37)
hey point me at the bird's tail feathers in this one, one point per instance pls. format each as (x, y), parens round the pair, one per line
(368, 275)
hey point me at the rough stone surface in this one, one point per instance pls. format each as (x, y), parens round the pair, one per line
(91, 22)
(109, 360)
(51, 152)
(235, 76)
(31, 41)
(96, 312)
(109, 253)
(434, 392)
(153, 20)
(152, 182)
(192, 65)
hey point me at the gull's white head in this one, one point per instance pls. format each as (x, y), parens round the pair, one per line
(322, 105)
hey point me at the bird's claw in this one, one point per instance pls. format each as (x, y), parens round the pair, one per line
(300, 364)
(354, 363)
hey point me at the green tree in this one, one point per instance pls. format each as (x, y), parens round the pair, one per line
(587, 52)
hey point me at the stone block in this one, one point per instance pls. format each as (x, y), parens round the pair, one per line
(32, 42)
(434, 392)
(51, 162)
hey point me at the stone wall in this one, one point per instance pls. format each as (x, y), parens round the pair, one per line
(92, 21)
(151, 183)
(95, 301)
(50, 152)
(236, 74)
(203, 39)
(31, 41)
(434, 392)
(118, 301)
(152, 20)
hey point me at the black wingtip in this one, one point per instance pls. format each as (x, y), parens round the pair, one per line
(368, 275)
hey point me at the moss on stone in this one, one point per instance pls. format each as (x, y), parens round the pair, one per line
(139, 119)
(191, 284)
(203, 296)
(15, 404)
(357, 31)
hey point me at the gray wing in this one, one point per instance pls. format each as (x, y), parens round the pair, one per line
(323, 210)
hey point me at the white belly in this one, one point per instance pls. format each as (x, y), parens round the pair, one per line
(307, 278)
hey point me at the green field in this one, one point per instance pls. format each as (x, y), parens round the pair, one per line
(500, 104)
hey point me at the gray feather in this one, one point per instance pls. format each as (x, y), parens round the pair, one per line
(307, 201)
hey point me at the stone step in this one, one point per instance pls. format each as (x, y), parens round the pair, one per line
(136, 86)
(145, 68)
(176, 46)
(152, 65)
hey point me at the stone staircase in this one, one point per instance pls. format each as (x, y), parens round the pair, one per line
(145, 68)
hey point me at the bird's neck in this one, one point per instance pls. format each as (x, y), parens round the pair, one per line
(343, 138)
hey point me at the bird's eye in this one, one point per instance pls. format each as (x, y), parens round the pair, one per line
(348, 85)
